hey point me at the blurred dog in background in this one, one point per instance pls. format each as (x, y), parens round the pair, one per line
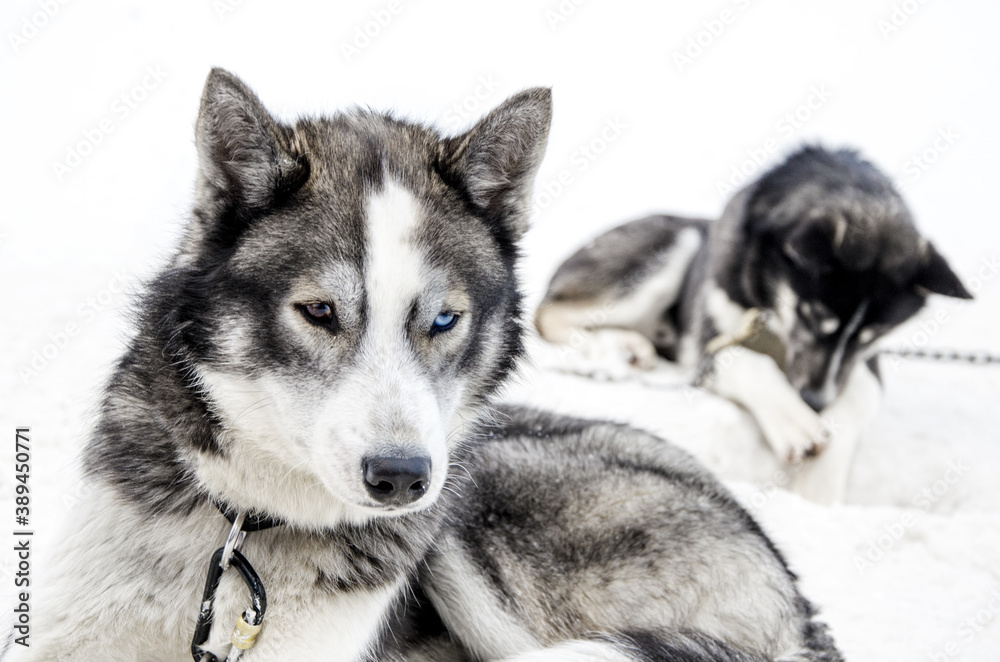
(780, 301)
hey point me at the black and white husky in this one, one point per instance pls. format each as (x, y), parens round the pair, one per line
(319, 361)
(807, 267)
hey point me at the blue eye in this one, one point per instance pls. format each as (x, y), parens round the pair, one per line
(443, 322)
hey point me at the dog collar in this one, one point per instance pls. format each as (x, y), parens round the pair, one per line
(252, 520)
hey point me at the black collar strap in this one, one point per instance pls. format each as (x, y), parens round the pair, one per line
(253, 521)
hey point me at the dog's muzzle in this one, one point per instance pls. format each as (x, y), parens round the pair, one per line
(397, 481)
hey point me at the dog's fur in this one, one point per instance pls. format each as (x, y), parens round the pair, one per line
(576, 540)
(822, 244)
(293, 338)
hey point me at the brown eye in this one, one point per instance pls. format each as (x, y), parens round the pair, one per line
(321, 314)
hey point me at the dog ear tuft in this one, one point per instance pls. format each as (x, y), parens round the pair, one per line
(936, 276)
(496, 161)
(245, 156)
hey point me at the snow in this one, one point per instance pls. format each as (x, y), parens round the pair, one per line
(632, 134)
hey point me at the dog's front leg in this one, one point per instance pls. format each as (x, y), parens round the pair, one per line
(824, 479)
(792, 429)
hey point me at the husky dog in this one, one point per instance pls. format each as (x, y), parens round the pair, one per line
(319, 362)
(579, 541)
(808, 266)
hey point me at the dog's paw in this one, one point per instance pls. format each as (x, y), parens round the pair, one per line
(612, 354)
(813, 445)
(617, 348)
(824, 480)
(796, 433)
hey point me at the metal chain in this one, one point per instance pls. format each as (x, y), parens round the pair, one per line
(948, 356)
(705, 367)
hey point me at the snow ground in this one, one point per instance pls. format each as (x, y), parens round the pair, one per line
(72, 246)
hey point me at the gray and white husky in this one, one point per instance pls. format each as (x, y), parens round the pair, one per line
(320, 359)
(807, 268)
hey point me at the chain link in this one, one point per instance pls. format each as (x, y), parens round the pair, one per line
(945, 356)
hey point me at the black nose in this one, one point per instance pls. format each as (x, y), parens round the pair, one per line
(813, 399)
(397, 481)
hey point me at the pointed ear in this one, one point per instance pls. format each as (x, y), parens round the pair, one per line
(246, 157)
(936, 277)
(496, 161)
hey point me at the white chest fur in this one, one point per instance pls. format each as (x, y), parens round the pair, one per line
(124, 579)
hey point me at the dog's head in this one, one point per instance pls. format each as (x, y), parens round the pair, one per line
(349, 297)
(830, 248)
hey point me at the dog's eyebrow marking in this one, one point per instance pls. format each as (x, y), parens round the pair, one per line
(394, 268)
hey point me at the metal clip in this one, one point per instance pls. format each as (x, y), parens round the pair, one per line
(233, 541)
(253, 617)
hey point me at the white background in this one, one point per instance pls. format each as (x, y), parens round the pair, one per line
(70, 242)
